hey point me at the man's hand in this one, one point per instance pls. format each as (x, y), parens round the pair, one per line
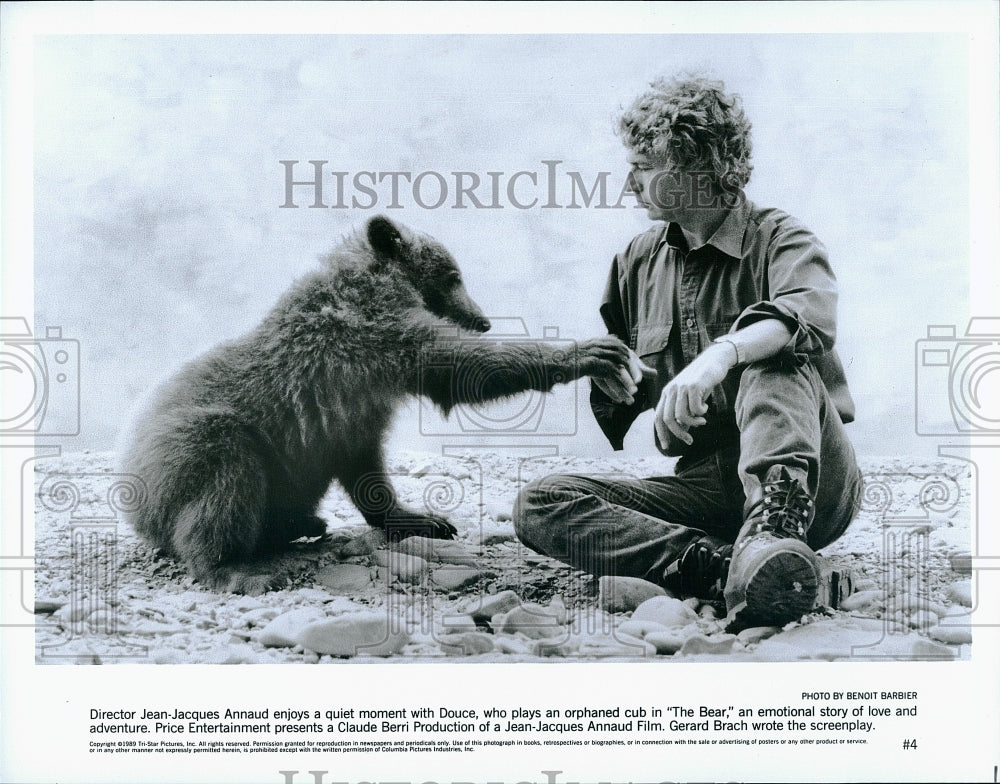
(683, 402)
(622, 389)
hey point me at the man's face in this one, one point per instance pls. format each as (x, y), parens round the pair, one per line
(668, 193)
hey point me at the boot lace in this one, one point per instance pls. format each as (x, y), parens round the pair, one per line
(782, 511)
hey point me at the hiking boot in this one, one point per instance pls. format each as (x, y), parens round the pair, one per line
(702, 569)
(774, 575)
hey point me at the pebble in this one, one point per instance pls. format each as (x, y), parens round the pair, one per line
(531, 620)
(954, 629)
(345, 578)
(624, 594)
(365, 544)
(454, 578)
(666, 611)
(697, 644)
(407, 568)
(498, 511)
(284, 630)
(148, 627)
(862, 639)
(232, 654)
(640, 628)
(467, 644)
(456, 624)
(561, 648)
(442, 550)
(558, 608)
(861, 600)
(618, 646)
(913, 604)
(47, 606)
(666, 642)
(773, 650)
(260, 617)
(960, 592)
(105, 622)
(353, 635)
(75, 612)
(511, 645)
(962, 563)
(591, 620)
(755, 634)
(312, 595)
(423, 469)
(482, 608)
(922, 619)
(245, 603)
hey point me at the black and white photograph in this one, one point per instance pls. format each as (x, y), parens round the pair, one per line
(505, 392)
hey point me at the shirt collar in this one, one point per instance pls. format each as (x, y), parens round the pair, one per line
(728, 238)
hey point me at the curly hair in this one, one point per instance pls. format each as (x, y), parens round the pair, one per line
(693, 125)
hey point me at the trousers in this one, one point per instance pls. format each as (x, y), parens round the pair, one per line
(637, 527)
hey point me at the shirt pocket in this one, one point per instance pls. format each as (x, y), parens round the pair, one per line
(652, 339)
(652, 345)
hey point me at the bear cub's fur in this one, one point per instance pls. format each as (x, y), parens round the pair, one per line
(236, 451)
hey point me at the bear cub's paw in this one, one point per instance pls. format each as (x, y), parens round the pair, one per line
(247, 579)
(404, 523)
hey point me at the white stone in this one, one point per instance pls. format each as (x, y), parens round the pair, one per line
(345, 578)
(862, 600)
(698, 644)
(531, 620)
(443, 550)
(406, 568)
(624, 594)
(954, 629)
(960, 592)
(485, 607)
(640, 628)
(665, 610)
(284, 630)
(454, 578)
(358, 634)
(667, 641)
(467, 644)
(618, 646)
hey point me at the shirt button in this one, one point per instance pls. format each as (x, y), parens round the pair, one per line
(690, 322)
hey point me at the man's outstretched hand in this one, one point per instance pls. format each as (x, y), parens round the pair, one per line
(621, 389)
(684, 401)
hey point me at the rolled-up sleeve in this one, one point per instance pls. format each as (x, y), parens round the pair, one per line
(615, 419)
(801, 292)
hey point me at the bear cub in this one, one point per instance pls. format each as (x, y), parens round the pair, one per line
(237, 449)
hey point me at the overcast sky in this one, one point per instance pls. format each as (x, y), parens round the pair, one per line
(159, 229)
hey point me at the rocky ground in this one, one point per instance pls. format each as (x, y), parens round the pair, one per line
(103, 596)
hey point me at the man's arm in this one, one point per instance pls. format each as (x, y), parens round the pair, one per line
(683, 402)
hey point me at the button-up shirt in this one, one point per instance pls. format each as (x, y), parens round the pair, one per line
(668, 302)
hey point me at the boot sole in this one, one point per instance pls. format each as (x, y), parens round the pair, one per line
(783, 588)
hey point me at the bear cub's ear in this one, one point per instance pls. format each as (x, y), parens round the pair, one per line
(386, 238)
